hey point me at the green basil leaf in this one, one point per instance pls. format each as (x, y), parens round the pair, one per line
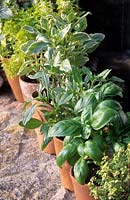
(31, 124)
(110, 104)
(111, 89)
(64, 155)
(72, 160)
(86, 133)
(93, 151)
(66, 128)
(28, 114)
(100, 141)
(102, 117)
(77, 76)
(45, 142)
(81, 170)
(80, 149)
(44, 130)
(65, 98)
(67, 140)
(88, 100)
(86, 114)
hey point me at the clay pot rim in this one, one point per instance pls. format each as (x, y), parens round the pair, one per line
(24, 81)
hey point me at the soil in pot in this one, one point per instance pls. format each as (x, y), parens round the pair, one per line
(28, 87)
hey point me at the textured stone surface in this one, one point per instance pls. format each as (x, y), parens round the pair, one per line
(26, 173)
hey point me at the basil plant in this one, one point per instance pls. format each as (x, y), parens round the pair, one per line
(85, 114)
(95, 131)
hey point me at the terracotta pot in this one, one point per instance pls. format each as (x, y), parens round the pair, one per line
(39, 109)
(16, 89)
(50, 149)
(82, 192)
(27, 88)
(65, 170)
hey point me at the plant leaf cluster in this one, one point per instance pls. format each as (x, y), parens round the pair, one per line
(113, 178)
(86, 115)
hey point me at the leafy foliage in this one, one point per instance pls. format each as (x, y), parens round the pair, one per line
(113, 178)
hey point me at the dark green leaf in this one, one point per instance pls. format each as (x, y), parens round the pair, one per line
(100, 141)
(73, 159)
(31, 124)
(67, 140)
(81, 24)
(93, 151)
(111, 89)
(91, 45)
(80, 149)
(102, 117)
(87, 130)
(86, 114)
(115, 105)
(117, 79)
(77, 75)
(88, 72)
(64, 155)
(123, 117)
(126, 140)
(28, 114)
(81, 170)
(65, 128)
(45, 142)
(44, 130)
(45, 80)
(88, 100)
(65, 98)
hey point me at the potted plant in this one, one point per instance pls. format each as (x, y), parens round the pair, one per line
(51, 48)
(12, 57)
(59, 41)
(91, 135)
(113, 178)
(63, 102)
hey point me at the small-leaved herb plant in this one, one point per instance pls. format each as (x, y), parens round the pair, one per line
(113, 177)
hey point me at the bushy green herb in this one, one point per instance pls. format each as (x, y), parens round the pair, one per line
(113, 178)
